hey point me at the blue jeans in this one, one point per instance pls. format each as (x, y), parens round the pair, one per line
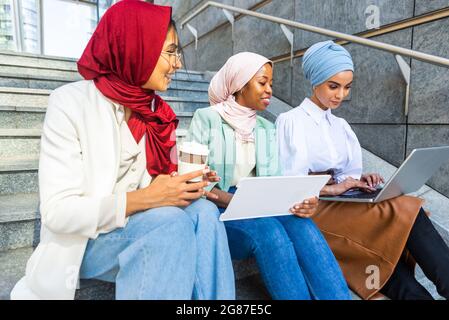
(293, 257)
(165, 253)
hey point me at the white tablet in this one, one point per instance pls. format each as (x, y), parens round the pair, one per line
(258, 197)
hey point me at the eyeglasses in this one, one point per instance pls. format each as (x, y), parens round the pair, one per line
(177, 54)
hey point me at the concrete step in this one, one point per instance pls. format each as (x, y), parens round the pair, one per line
(37, 61)
(19, 221)
(69, 74)
(16, 143)
(52, 82)
(21, 100)
(426, 283)
(186, 93)
(48, 62)
(37, 73)
(18, 176)
(8, 58)
(58, 66)
(19, 75)
(248, 283)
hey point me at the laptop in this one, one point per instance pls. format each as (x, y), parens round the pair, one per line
(414, 172)
(258, 197)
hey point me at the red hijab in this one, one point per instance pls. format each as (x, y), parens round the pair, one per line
(120, 57)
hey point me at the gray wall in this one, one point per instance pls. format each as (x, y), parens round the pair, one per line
(375, 108)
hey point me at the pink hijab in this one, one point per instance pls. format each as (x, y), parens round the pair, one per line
(231, 78)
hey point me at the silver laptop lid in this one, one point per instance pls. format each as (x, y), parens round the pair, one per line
(414, 172)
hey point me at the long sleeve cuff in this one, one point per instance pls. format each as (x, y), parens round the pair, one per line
(112, 213)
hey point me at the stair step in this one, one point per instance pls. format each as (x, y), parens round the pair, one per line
(38, 73)
(19, 207)
(18, 176)
(189, 85)
(23, 99)
(13, 262)
(19, 143)
(18, 165)
(30, 61)
(37, 61)
(426, 283)
(16, 80)
(23, 72)
(19, 221)
(49, 62)
(186, 93)
(20, 133)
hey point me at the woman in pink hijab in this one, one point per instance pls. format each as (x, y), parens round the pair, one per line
(292, 255)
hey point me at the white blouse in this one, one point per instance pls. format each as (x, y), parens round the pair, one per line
(132, 160)
(313, 140)
(245, 161)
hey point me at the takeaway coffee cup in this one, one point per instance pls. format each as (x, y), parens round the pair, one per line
(192, 157)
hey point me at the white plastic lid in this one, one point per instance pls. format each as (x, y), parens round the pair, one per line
(194, 148)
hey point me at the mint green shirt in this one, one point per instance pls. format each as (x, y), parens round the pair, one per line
(208, 128)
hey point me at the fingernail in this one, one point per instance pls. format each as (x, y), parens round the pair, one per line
(296, 207)
(306, 202)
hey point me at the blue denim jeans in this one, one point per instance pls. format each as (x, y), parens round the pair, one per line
(293, 257)
(165, 253)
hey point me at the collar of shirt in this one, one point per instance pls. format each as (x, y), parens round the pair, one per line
(315, 112)
(119, 112)
(130, 148)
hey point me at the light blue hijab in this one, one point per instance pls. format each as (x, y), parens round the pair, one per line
(324, 60)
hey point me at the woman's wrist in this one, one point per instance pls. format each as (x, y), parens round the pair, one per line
(137, 201)
(224, 198)
(328, 190)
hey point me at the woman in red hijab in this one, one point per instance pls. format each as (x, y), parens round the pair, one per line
(112, 205)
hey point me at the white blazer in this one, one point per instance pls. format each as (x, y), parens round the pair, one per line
(78, 167)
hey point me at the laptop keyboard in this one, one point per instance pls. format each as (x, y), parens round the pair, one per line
(362, 195)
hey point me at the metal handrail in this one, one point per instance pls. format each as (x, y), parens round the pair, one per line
(429, 58)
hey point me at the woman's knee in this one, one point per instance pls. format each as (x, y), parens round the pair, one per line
(204, 211)
(172, 221)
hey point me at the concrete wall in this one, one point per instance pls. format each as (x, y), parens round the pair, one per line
(375, 108)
